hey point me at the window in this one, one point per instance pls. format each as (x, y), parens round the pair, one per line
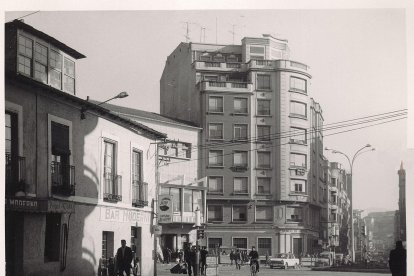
(297, 84)
(112, 189)
(298, 185)
(197, 201)
(215, 213)
(55, 71)
(139, 188)
(45, 64)
(69, 75)
(298, 109)
(263, 185)
(257, 50)
(52, 238)
(40, 69)
(298, 160)
(240, 105)
(298, 135)
(240, 159)
(188, 200)
(263, 133)
(264, 213)
(263, 107)
(215, 158)
(294, 214)
(205, 57)
(263, 82)
(15, 164)
(240, 242)
(240, 185)
(215, 104)
(186, 150)
(25, 49)
(107, 247)
(240, 132)
(215, 184)
(240, 213)
(176, 198)
(62, 173)
(214, 243)
(264, 246)
(215, 131)
(263, 159)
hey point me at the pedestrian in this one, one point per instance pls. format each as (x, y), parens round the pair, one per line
(254, 258)
(237, 258)
(189, 257)
(167, 255)
(231, 257)
(203, 260)
(124, 259)
(398, 260)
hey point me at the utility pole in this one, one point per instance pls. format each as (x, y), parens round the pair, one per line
(155, 205)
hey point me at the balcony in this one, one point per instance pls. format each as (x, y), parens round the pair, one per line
(112, 188)
(219, 65)
(239, 168)
(63, 179)
(139, 193)
(15, 174)
(238, 87)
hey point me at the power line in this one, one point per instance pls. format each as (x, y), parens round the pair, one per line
(309, 131)
(296, 133)
(282, 144)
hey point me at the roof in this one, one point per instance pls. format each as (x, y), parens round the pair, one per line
(68, 50)
(86, 105)
(132, 112)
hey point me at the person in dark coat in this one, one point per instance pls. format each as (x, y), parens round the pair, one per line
(203, 260)
(189, 258)
(124, 259)
(398, 260)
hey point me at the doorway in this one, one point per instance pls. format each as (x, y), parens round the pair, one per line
(297, 246)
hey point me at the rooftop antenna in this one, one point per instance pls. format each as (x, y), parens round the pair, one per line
(233, 32)
(187, 33)
(26, 15)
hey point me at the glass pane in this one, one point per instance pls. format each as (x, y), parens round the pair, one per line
(69, 84)
(55, 79)
(188, 201)
(175, 192)
(55, 60)
(69, 68)
(41, 53)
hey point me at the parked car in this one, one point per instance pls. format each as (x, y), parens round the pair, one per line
(284, 260)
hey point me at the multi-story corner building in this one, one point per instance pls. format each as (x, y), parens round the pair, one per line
(380, 234)
(178, 174)
(261, 144)
(339, 222)
(360, 236)
(78, 177)
(402, 228)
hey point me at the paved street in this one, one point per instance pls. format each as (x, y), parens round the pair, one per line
(244, 271)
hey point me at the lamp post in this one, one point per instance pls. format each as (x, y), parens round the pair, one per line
(197, 225)
(351, 165)
(121, 95)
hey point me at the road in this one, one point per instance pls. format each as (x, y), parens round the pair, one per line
(227, 270)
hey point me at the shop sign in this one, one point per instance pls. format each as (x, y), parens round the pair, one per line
(25, 204)
(120, 215)
(55, 206)
(157, 230)
(165, 209)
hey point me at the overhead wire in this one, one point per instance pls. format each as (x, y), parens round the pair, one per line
(281, 144)
(309, 131)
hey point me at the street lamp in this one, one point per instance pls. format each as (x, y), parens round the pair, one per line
(197, 225)
(351, 165)
(121, 95)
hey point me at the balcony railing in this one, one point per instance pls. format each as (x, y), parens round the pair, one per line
(15, 173)
(63, 179)
(226, 86)
(112, 187)
(139, 193)
(239, 168)
(229, 66)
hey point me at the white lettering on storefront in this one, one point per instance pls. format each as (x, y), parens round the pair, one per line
(119, 215)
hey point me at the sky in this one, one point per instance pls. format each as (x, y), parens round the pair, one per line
(357, 59)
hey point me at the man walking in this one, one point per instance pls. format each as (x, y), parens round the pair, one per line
(124, 259)
(398, 260)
